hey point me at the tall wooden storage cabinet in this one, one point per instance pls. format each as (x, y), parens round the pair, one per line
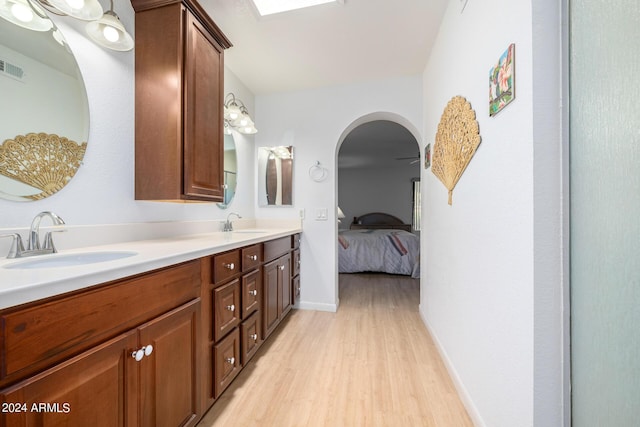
(179, 99)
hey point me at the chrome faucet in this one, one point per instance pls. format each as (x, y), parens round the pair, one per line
(34, 247)
(228, 226)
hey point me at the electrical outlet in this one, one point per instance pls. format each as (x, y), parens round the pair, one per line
(301, 213)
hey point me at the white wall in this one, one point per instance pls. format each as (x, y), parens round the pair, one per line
(315, 122)
(364, 190)
(493, 255)
(102, 192)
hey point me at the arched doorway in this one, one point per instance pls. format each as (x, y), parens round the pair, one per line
(378, 164)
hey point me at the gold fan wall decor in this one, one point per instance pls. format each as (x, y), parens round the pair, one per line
(44, 161)
(457, 139)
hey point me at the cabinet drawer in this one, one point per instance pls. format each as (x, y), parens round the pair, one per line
(226, 356)
(295, 241)
(274, 248)
(251, 257)
(295, 267)
(36, 337)
(251, 293)
(225, 266)
(295, 283)
(251, 335)
(226, 308)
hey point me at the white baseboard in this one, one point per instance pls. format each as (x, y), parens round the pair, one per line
(473, 412)
(304, 305)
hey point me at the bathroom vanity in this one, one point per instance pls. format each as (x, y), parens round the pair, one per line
(145, 340)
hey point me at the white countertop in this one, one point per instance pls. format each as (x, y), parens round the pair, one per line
(19, 286)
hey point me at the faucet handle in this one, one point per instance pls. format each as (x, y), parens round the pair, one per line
(48, 240)
(16, 245)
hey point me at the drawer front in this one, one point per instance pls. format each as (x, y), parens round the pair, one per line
(251, 257)
(225, 266)
(226, 356)
(226, 308)
(251, 293)
(295, 282)
(36, 337)
(295, 241)
(295, 267)
(251, 336)
(277, 247)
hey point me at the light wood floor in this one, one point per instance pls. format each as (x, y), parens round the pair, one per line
(372, 363)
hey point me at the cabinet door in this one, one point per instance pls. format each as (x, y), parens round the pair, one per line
(284, 285)
(96, 388)
(169, 376)
(270, 298)
(203, 143)
(226, 308)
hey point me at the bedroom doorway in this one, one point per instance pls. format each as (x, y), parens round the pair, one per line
(378, 171)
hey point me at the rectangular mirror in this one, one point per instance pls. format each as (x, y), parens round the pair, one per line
(275, 176)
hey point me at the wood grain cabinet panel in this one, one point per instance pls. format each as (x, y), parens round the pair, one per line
(179, 96)
(251, 337)
(226, 356)
(226, 308)
(96, 388)
(251, 293)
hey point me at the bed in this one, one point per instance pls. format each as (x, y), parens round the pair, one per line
(379, 242)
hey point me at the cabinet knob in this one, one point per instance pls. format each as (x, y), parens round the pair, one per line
(253, 292)
(138, 355)
(231, 360)
(281, 267)
(253, 257)
(148, 349)
(230, 266)
(254, 337)
(142, 352)
(231, 307)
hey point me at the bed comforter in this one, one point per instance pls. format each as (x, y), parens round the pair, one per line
(385, 251)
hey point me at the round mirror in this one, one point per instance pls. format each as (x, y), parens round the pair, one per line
(230, 170)
(44, 124)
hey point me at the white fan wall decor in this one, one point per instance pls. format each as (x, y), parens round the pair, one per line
(457, 139)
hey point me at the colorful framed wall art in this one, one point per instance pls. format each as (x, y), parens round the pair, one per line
(502, 89)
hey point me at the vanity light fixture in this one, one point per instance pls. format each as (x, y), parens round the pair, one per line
(25, 14)
(237, 116)
(109, 32)
(105, 28)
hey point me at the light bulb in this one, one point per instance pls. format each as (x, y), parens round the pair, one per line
(110, 34)
(75, 4)
(22, 12)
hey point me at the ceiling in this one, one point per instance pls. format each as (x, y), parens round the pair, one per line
(380, 143)
(334, 44)
(326, 45)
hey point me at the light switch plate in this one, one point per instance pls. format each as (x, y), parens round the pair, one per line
(322, 214)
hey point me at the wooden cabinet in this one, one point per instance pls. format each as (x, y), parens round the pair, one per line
(277, 287)
(147, 375)
(156, 349)
(179, 69)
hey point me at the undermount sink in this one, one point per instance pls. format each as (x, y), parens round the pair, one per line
(69, 260)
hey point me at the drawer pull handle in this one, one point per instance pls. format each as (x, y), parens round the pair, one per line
(230, 266)
(281, 267)
(231, 360)
(231, 307)
(253, 257)
(141, 353)
(254, 337)
(253, 292)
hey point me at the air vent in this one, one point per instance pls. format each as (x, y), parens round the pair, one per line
(10, 70)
